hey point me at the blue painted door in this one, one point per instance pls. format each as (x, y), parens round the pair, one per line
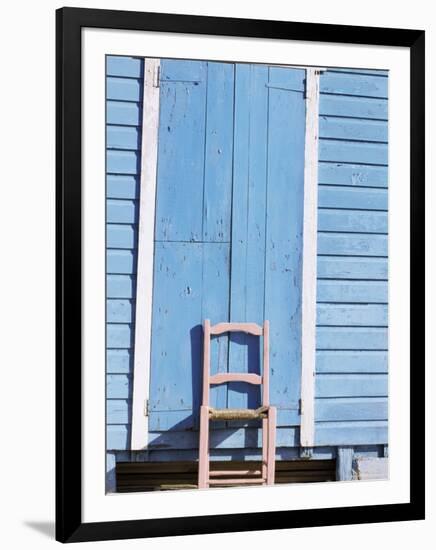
(228, 233)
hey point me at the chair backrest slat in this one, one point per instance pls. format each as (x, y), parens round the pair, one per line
(223, 377)
(248, 328)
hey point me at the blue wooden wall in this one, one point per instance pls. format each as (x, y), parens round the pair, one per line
(124, 119)
(352, 312)
(351, 379)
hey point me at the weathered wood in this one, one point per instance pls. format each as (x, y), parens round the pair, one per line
(354, 84)
(353, 128)
(123, 137)
(351, 408)
(368, 292)
(182, 271)
(123, 112)
(175, 70)
(344, 464)
(121, 211)
(362, 432)
(228, 467)
(248, 227)
(352, 221)
(361, 198)
(369, 108)
(220, 473)
(285, 78)
(121, 262)
(120, 161)
(352, 244)
(111, 480)
(335, 361)
(133, 476)
(120, 286)
(119, 386)
(119, 361)
(309, 267)
(118, 411)
(126, 89)
(352, 267)
(356, 338)
(122, 187)
(377, 72)
(334, 173)
(182, 135)
(371, 468)
(236, 481)
(373, 315)
(284, 243)
(121, 236)
(218, 154)
(119, 335)
(351, 385)
(124, 66)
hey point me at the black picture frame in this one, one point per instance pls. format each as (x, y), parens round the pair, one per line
(69, 22)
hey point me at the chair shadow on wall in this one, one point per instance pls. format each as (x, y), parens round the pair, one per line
(242, 354)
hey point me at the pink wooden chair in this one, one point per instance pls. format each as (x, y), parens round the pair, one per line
(265, 412)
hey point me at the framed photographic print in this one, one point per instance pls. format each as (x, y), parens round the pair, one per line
(240, 274)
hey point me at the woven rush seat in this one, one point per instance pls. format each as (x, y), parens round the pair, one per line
(237, 414)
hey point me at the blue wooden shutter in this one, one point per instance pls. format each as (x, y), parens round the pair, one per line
(267, 230)
(228, 234)
(192, 234)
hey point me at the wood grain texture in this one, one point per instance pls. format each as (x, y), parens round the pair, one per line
(231, 137)
(352, 310)
(145, 248)
(309, 269)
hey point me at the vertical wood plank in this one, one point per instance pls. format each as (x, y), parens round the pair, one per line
(111, 478)
(309, 282)
(215, 306)
(176, 336)
(144, 286)
(248, 227)
(181, 152)
(344, 463)
(218, 152)
(283, 251)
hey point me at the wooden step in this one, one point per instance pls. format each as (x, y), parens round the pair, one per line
(235, 473)
(237, 481)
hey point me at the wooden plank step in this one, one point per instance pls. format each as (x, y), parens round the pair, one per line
(235, 472)
(190, 466)
(236, 481)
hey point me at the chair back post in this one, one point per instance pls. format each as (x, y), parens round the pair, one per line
(206, 361)
(265, 373)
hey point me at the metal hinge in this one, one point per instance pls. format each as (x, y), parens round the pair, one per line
(156, 77)
(147, 407)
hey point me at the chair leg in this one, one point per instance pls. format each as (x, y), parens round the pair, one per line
(203, 459)
(264, 447)
(271, 453)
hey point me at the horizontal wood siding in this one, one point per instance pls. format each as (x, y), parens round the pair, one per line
(124, 77)
(351, 386)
